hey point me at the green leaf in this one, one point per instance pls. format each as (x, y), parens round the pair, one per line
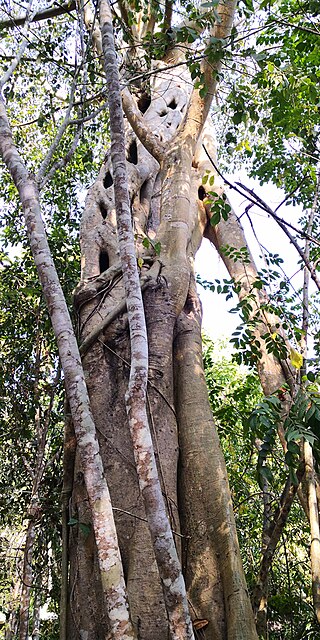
(237, 117)
(85, 528)
(73, 521)
(157, 248)
(215, 218)
(146, 243)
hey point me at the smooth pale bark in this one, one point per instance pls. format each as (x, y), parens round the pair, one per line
(36, 622)
(99, 498)
(162, 538)
(311, 483)
(69, 452)
(314, 527)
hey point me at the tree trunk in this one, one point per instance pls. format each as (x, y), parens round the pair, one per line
(314, 527)
(169, 220)
(27, 578)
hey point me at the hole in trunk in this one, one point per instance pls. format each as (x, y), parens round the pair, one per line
(163, 113)
(144, 191)
(104, 211)
(201, 193)
(144, 102)
(133, 153)
(103, 261)
(107, 180)
(173, 104)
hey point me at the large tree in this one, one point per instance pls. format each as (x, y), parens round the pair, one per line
(170, 63)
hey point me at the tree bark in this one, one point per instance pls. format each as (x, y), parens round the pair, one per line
(102, 517)
(166, 209)
(27, 579)
(135, 399)
(314, 527)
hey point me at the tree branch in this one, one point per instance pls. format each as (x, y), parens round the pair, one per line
(47, 159)
(255, 199)
(167, 15)
(11, 23)
(283, 226)
(140, 127)
(7, 75)
(274, 534)
(199, 107)
(116, 311)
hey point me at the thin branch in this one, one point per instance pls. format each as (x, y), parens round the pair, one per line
(296, 26)
(289, 580)
(255, 199)
(274, 534)
(92, 115)
(40, 15)
(291, 193)
(282, 224)
(41, 179)
(141, 129)
(305, 313)
(59, 164)
(260, 203)
(47, 159)
(116, 311)
(7, 75)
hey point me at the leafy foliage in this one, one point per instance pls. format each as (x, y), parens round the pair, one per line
(245, 419)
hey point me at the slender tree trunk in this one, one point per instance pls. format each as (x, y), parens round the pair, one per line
(262, 613)
(103, 523)
(27, 576)
(135, 400)
(311, 483)
(69, 452)
(314, 527)
(36, 622)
